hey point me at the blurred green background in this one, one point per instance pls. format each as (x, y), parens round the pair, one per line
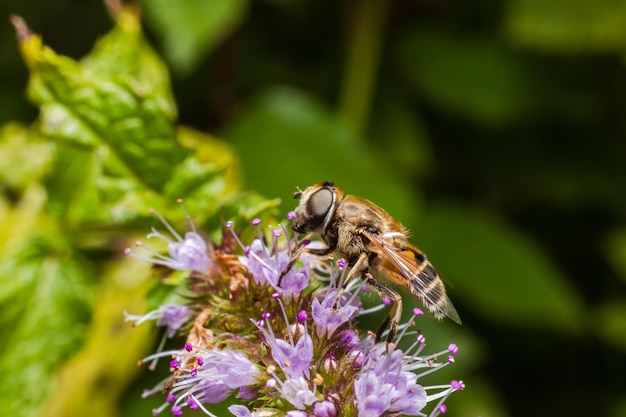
(493, 129)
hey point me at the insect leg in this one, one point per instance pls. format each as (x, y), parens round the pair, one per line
(316, 252)
(395, 313)
(359, 267)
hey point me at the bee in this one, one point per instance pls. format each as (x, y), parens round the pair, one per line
(368, 238)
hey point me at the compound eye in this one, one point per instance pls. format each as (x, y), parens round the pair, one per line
(318, 206)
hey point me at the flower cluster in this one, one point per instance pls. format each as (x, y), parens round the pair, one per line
(291, 350)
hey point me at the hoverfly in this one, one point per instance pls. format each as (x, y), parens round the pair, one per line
(367, 237)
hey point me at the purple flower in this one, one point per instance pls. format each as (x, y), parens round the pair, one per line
(326, 319)
(324, 409)
(297, 413)
(408, 397)
(293, 359)
(206, 376)
(247, 393)
(211, 391)
(242, 411)
(372, 395)
(171, 316)
(188, 254)
(239, 411)
(234, 368)
(298, 392)
(385, 385)
(266, 268)
(221, 372)
(349, 338)
(284, 351)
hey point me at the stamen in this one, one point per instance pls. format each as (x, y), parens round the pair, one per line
(187, 216)
(440, 407)
(405, 327)
(207, 412)
(166, 224)
(157, 388)
(157, 411)
(355, 292)
(457, 385)
(282, 308)
(302, 316)
(177, 410)
(229, 225)
(154, 362)
(371, 310)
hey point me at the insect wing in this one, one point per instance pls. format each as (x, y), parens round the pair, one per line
(421, 277)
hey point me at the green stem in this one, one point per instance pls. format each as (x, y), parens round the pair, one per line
(363, 55)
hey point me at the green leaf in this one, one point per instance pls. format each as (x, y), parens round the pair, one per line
(496, 271)
(190, 175)
(287, 139)
(92, 381)
(124, 54)
(570, 26)
(616, 252)
(474, 77)
(73, 187)
(44, 300)
(191, 28)
(210, 172)
(610, 323)
(206, 180)
(24, 157)
(130, 120)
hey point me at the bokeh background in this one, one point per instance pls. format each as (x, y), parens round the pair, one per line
(494, 129)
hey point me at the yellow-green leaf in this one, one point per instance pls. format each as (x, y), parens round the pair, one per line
(91, 105)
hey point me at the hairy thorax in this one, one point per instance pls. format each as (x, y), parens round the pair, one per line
(354, 217)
